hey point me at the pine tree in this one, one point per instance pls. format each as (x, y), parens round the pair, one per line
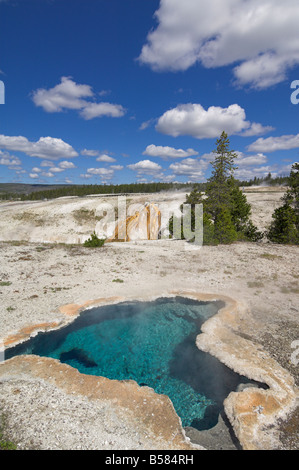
(219, 185)
(292, 194)
(224, 230)
(225, 203)
(284, 228)
(239, 207)
(225, 208)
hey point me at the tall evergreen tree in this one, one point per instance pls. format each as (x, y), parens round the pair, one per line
(225, 207)
(219, 185)
(285, 225)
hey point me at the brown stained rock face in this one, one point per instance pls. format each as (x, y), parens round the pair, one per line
(26, 332)
(73, 310)
(145, 224)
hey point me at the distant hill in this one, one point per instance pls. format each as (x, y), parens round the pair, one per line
(21, 188)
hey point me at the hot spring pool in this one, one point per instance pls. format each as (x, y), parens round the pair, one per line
(152, 343)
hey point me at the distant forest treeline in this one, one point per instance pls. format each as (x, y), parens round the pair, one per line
(268, 180)
(131, 188)
(85, 190)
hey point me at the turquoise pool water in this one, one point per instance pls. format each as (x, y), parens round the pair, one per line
(152, 343)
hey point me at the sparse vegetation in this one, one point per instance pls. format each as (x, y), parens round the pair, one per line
(94, 241)
(292, 288)
(5, 444)
(269, 256)
(29, 217)
(256, 284)
(83, 215)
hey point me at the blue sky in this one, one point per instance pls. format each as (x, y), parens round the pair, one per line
(121, 91)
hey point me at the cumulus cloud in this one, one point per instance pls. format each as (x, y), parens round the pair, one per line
(146, 124)
(248, 173)
(196, 169)
(55, 169)
(192, 168)
(46, 147)
(105, 158)
(93, 110)
(47, 174)
(104, 173)
(45, 163)
(272, 144)
(244, 161)
(66, 165)
(146, 167)
(168, 152)
(258, 37)
(192, 119)
(66, 95)
(85, 176)
(70, 95)
(62, 166)
(117, 167)
(249, 166)
(90, 153)
(257, 129)
(101, 157)
(9, 160)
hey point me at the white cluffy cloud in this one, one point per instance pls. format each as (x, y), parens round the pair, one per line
(191, 168)
(168, 152)
(146, 167)
(101, 157)
(192, 119)
(271, 144)
(93, 110)
(247, 161)
(106, 174)
(90, 153)
(9, 160)
(258, 37)
(62, 166)
(46, 147)
(71, 95)
(105, 158)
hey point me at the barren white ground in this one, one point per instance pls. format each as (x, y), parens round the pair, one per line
(37, 277)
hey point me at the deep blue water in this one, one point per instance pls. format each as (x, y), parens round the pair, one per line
(152, 343)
